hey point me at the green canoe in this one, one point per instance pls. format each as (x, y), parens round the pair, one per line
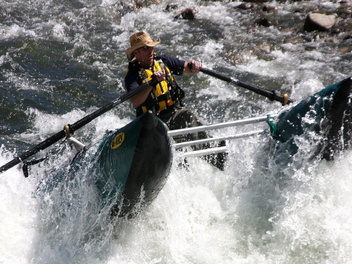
(327, 114)
(132, 165)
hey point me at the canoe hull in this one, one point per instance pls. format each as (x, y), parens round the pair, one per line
(327, 113)
(133, 165)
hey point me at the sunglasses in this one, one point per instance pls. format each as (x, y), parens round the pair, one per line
(146, 48)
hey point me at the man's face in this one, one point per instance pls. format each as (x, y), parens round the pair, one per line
(145, 56)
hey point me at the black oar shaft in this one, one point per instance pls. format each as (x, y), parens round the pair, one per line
(269, 94)
(46, 143)
(85, 120)
(80, 123)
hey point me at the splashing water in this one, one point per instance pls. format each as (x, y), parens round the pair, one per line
(61, 61)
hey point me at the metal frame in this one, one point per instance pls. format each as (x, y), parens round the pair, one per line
(246, 121)
(215, 150)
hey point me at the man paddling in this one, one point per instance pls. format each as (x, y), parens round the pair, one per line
(165, 98)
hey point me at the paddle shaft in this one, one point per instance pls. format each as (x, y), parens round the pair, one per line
(269, 94)
(80, 123)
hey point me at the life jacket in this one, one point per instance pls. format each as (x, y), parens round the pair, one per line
(165, 94)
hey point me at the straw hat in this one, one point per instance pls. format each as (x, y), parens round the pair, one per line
(138, 40)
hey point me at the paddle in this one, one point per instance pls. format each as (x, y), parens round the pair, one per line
(80, 123)
(269, 94)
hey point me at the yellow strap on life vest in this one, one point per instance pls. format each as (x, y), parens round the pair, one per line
(162, 88)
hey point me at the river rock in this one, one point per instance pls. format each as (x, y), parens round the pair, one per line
(187, 13)
(319, 22)
(269, 9)
(171, 7)
(265, 22)
(245, 6)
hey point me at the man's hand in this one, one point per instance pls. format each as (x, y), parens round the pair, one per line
(193, 66)
(160, 75)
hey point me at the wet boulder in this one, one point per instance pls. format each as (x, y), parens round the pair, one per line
(187, 13)
(319, 22)
(245, 6)
(269, 9)
(265, 22)
(171, 7)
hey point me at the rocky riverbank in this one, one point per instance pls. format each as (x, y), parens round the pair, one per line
(301, 22)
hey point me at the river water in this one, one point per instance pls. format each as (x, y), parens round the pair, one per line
(61, 61)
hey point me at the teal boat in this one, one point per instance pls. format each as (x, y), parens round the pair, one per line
(130, 166)
(133, 164)
(125, 172)
(327, 114)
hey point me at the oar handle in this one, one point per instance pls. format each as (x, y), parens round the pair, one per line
(269, 94)
(80, 123)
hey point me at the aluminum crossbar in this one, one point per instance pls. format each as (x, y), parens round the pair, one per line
(203, 152)
(207, 140)
(188, 130)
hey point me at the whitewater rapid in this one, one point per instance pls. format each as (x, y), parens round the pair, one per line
(61, 61)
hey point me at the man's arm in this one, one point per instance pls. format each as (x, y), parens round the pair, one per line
(139, 98)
